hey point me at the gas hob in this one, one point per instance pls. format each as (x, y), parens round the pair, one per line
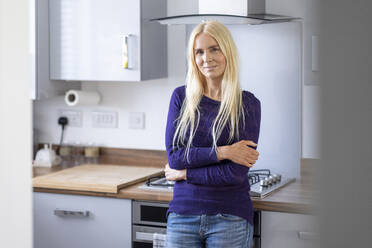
(262, 183)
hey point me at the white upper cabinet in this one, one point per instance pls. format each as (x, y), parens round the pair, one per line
(107, 40)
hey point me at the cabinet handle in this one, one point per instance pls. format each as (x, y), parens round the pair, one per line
(144, 236)
(125, 51)
(69, 213)
(307, 235)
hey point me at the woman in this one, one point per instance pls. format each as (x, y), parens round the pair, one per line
(211, 135)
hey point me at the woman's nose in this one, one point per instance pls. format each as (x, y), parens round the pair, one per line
(207, 57)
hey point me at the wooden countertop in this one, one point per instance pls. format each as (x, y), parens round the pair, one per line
(297, 197)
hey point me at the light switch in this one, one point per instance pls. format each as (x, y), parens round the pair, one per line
(137, 120)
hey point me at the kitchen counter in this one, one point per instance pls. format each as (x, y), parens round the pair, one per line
(297, 197)
(293, 198)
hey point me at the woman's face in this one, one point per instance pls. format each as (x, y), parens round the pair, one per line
(208, 57)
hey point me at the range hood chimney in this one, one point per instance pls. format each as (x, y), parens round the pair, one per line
(227, 12)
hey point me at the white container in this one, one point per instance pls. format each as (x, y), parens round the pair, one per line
(233, 7)
(46, 157)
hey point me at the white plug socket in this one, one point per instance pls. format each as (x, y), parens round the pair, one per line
(105, 119)
(75, 117)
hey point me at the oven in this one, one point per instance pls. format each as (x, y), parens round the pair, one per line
(151, 217)
(147, 218)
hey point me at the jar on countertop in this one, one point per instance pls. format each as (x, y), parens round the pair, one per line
(91, 154)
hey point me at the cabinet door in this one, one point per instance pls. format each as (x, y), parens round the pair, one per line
(75, 221)
(282, 230)
(87, 39)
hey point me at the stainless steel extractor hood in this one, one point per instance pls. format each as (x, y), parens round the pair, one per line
(238, 12)
(253, 19)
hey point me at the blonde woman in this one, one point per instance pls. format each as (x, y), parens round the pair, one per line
(211, 135)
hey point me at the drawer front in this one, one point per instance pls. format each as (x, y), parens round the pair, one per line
(288, 230)
(62, 221)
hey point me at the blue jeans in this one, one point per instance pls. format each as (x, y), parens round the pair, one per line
(210, 231)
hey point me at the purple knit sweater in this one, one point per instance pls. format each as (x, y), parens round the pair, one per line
(212, 186)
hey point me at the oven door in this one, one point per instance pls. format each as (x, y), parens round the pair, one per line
(150, 213)
(143, 235)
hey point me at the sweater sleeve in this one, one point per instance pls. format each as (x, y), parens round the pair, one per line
(221, 174)
(226, 172)
(198, 156)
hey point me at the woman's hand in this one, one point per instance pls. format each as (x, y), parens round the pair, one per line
(239, 153)
(174, 175)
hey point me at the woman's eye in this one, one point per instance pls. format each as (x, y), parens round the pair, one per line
(215, 49)
(199, 52)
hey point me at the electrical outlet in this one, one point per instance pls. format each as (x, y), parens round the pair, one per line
(137, 120)
(107, 119)
(75, 117)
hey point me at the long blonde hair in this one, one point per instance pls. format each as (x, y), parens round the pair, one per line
(231, 108)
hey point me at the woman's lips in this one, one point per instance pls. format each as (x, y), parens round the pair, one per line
(208, 68)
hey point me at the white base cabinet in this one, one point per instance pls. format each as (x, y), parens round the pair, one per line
(75, 221)
(284, 230)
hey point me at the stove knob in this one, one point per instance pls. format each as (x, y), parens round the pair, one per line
(279, 177)
(276, 178)
(272, 178)
(269, 180)
(264, 182)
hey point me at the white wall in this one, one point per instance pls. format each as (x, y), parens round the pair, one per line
(15, 126)
(270, 67)
(152, 97)
(308, 10)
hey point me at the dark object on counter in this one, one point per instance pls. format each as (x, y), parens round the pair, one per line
(63, 121)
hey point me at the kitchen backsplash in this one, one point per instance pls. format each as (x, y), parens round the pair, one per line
(149, 97)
